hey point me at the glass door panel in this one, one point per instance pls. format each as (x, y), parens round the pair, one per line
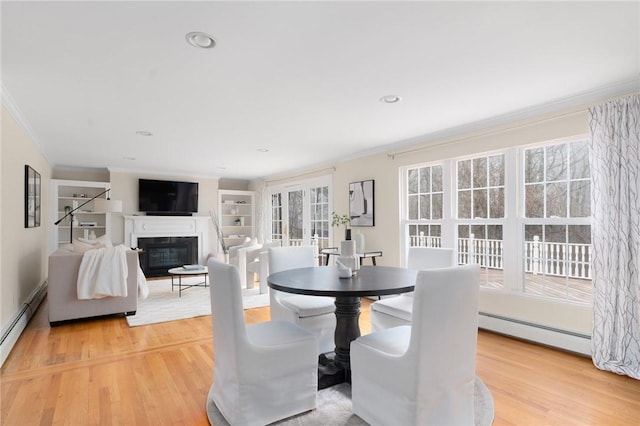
(295, 228)
(300, 214)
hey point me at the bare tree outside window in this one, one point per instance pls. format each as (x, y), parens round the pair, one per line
(425, 203)
(557, 194)
(276, 217)
(553, 210)
(481, 187)
(319, 204)
(480, 196)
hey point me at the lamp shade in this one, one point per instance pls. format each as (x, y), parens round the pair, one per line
(107, 205)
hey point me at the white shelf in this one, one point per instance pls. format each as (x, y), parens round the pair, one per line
(81, 227)
(79, 212)
(62, 196)
(236, 205)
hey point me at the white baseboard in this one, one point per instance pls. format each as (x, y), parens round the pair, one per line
(572, 342)
(16, 326)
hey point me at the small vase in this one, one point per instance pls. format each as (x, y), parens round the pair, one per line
(348, 256)
(347, 234)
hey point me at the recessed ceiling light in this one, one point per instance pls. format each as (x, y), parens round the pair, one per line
(390, 99)
(262, 150)
(144, 133)
(199, 39)
(129, 158)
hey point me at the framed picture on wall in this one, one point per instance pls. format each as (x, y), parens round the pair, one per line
(32, 200)
(361, 203)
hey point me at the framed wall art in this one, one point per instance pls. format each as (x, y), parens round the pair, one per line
(361, 203)
(32, 200)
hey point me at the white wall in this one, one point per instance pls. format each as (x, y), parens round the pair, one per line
(24, 251)
(124, 186)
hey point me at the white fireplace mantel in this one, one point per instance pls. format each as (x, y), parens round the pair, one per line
(168, 226)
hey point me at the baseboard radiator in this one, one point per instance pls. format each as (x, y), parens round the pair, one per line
(562, 339)
(16, 326)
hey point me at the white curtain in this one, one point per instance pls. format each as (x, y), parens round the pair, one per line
(261, 208)
(615, 200)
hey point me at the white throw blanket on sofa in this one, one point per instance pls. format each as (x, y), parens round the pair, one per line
(103, 272)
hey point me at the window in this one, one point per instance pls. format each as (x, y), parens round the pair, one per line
(481, 187)
(276, 217)
(300, 212)
(557, 232)
(425, 204)
(530, 205)
(480, 184)
(320, 226)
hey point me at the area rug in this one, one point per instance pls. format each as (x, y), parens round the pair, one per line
(334, 408)
(163, 305)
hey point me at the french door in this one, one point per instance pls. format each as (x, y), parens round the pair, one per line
(300, 213)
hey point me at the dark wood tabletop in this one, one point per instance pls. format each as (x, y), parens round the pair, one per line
(324, 281)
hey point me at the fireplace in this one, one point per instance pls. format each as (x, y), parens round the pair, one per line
(159, 254)
(167, 235)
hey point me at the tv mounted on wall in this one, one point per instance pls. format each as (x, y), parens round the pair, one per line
(167, 197)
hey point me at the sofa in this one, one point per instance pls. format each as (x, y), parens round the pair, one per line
(62, 292)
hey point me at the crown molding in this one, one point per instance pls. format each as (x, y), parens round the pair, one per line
(18, 116)
(536, 113)
(156, 172)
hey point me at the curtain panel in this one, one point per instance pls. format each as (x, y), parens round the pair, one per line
(615, 199)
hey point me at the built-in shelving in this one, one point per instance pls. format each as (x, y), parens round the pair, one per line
(236, 214)
(69, 194)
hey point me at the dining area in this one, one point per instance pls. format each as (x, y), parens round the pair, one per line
(420, 372)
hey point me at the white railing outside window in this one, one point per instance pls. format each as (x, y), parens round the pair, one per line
(558, 259)
(486, 253)
(541, 258)
(424, 241)
(522, 214)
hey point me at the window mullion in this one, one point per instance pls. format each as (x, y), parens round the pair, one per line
(448, 205)
(513, 226)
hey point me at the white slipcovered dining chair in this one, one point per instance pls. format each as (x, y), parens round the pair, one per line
(314, 313)
(395, 311)
(262, 372)
(423, 374)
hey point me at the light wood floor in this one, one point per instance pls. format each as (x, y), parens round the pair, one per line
(104, 372)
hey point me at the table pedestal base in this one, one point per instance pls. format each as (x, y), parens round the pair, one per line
(335, 368)
(329, 373)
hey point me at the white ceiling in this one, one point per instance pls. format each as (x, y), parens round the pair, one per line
(301, 79)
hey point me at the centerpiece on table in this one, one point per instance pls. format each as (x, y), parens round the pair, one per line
(347, 259)
(342, 220)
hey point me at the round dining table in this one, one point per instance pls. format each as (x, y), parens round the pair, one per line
(325, 281)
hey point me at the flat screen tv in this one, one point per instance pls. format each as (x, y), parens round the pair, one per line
(167, 197)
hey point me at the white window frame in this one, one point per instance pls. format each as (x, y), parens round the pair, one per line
(305, 186)
(513, 222)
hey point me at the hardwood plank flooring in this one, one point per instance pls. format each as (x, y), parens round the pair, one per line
(103, 372)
